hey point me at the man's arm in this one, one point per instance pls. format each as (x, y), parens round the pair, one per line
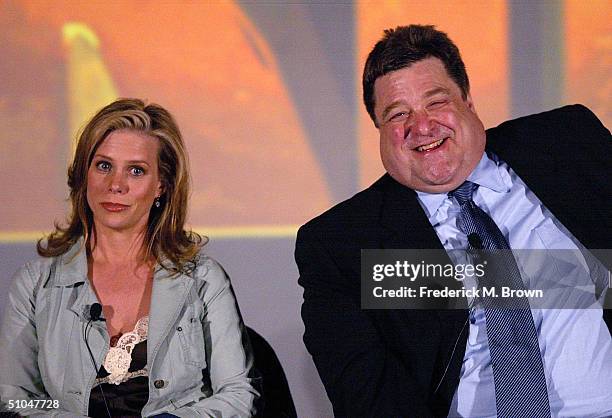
(361, 375)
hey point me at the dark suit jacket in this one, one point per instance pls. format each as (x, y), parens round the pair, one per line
(388, 363)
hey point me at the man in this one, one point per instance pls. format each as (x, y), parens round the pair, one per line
(540, 181)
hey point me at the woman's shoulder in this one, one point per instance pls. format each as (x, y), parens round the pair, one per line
(210, 278)
(31, 276)
(207, 268)
(36, 267)
(40, 269)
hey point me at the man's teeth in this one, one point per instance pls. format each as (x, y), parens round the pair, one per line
(430, 146)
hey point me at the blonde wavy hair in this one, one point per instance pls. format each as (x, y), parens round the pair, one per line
(165, 240)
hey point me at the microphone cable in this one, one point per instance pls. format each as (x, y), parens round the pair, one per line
(94, 315)
(452, 354)
(475, 243)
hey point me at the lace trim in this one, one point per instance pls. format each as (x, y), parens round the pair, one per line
(128, 376)
(118, 359)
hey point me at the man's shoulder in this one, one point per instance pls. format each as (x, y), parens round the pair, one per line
(360, 209)
(557, 131)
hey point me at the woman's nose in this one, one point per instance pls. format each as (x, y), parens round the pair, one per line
(118, 183)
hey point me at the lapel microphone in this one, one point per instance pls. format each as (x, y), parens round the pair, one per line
(95, 311)
(474, 240)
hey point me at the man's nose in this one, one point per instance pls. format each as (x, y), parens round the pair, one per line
(420, 123)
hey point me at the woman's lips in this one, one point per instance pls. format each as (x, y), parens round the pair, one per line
(114, 207)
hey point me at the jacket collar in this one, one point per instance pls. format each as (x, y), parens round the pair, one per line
(169, 291)
(71, 267)
(167, 299)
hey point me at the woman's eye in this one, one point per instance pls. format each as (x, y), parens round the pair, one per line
(103, 166)
(137, 171)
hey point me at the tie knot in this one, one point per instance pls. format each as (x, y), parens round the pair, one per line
(464, 192)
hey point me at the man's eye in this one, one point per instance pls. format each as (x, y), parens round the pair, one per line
(436, 104)
(103, 166)
(137, 171)
(398, 116)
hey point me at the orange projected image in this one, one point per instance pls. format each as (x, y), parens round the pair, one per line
(485, 57)
(588, 66)
(263, 160)
(207, 63)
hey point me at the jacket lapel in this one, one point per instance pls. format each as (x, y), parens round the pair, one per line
(404, 218)
(408, 228)
(167, 300)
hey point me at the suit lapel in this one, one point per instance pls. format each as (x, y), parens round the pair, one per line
(407, 227)
(404, 218)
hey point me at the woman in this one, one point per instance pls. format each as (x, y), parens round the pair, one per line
(168, 338)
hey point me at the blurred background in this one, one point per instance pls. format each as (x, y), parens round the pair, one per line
(268, 98)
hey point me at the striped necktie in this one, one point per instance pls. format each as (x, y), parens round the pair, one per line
(518, 373)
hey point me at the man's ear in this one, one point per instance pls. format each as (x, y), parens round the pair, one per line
(470, 102)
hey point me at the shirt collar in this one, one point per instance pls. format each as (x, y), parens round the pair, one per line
(487, 174)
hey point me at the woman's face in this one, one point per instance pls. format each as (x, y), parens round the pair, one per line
(123, 181)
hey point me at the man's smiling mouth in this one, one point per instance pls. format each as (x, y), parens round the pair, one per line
(430, 146)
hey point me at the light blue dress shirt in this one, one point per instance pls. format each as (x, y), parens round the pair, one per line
(575, 344)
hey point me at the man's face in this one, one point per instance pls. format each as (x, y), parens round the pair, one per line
(430, 137)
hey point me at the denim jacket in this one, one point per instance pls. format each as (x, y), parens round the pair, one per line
(198, 355)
